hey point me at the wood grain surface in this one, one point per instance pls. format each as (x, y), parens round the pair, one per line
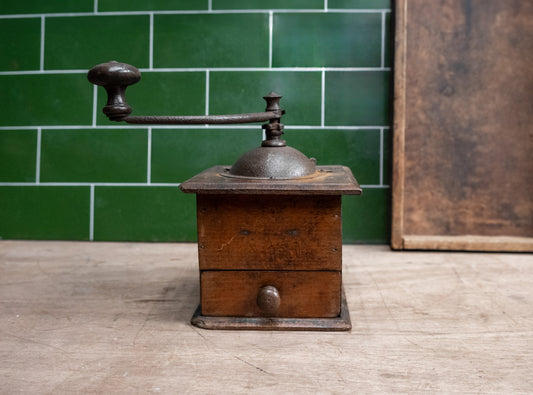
(113, 318)
(327, 180)
(269, 232)
(303, 294)
(463, 140)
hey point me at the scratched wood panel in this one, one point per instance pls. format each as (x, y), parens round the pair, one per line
(269, 232)
(463, 135)
(113, 318)
(303, 294)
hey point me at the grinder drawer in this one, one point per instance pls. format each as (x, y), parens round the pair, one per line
(297, 294)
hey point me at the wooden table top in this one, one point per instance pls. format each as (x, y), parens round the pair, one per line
(81, 317)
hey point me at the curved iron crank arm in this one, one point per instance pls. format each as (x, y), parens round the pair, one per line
(115, 77)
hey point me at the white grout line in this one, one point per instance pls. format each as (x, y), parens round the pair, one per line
(192, 12)
(191, 127)
(209, 5)
(95, 104)
(359, 11)
(270, 36)
(323, 98)
(207, 92)
(151, 45)
(91, 214)
(204, 69)
(88, 184)
(149, 158)
(41, 55)
(33, 72)
(118, 184)
(381, 156)
(375, 186)
(326, 5)
(244, 69)
(96, 6)
(38, 157)
(382, 39)
(332, 127)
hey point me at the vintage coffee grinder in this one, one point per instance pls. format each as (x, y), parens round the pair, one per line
(269, 227)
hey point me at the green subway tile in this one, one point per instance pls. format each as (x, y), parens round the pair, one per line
(366, 218)
(357, 149)
(46, 99)
(389, 42)
(271, 4)
(94, 155)
(17, 155)
(357, 98)
(20, 48)
(151, 5)
(181, 93)
(238, 92)
(179, 154)
(46, 213)
(50, 6)
(214, 40)
(359, 4)
(144, 214)
(82, 42)
(327, 40)
(387, 157)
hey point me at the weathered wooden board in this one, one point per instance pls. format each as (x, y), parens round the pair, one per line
(269, 232)
(113, 318)
(304, 294)
(463, 129)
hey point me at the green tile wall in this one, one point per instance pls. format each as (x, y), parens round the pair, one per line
(359, 150)
(144, 214)
(45, 99)
(305, 40)
(211, 40)
(360, 4)
(81, 42)
(21, 50)
(44, 212)
(271, 4)
(157, 94)
(18, 151)
(179, 154)
(243, 91)
(94, 155)
(52, 6)
(366, 217)
(68, 173)
(357, 98)
(151, 5)
(387, 55)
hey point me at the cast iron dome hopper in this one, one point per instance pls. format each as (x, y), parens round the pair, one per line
(273, 160)
(273, 163)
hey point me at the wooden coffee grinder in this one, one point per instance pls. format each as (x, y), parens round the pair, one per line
(269, 227)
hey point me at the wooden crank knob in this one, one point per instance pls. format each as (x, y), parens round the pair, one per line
(115, 78)
(268, 300)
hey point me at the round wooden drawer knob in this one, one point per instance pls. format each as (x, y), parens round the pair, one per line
(268, 299)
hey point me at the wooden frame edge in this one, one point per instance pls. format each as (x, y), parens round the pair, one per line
(468, 243)
(398, 144)
(399, 240)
